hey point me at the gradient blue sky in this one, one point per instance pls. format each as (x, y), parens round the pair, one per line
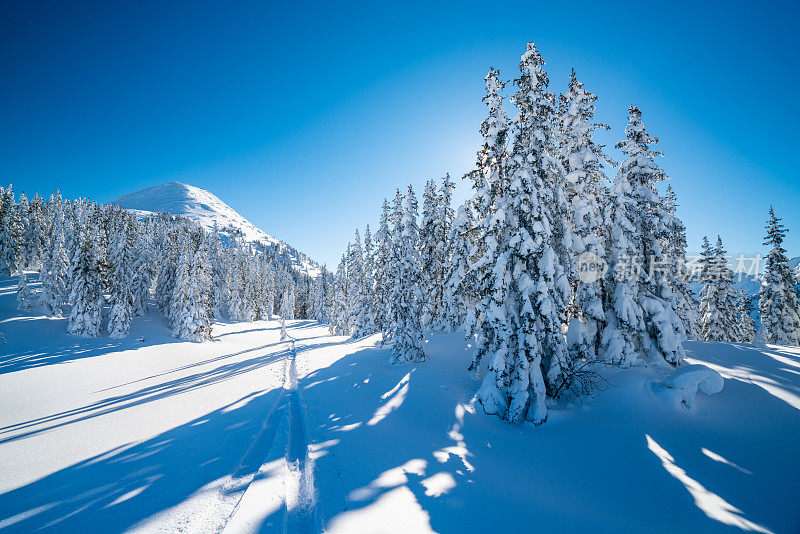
(303, 116)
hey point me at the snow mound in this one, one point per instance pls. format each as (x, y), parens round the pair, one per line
(206, 209)
(682, 386)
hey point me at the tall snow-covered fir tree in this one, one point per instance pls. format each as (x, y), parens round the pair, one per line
(778, 301)
(359, 304)
(718, 317)
(444, 230)
(686, 305)
(383, 254)
(746, 325)
(640, 309)
(191, 312)
(319, 308)
(587, 197)
(24, 298)
(405, 328)
(367, 288)
(54, 262)
(339, 315)
(10, 232)
(86, 298)
(457, 297)
(521, 284)
(122, 263)
(430, 274)
(144, 269)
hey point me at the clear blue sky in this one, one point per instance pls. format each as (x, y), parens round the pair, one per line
(303, 116)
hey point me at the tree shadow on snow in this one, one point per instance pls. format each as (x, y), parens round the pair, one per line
(113, 491)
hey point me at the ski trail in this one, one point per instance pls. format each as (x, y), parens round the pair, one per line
(301, 493)
(212, 507)
(284, 484)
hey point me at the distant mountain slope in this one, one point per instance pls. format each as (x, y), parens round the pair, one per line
(206, 209)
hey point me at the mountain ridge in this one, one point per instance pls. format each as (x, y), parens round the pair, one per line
(208, 210)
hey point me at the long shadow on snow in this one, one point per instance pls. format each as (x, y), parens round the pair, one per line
(378, 437)
(113, 491)
(148, 394)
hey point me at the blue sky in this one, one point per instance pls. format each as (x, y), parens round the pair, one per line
(303, 116)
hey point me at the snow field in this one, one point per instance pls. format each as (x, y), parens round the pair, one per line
(244, 434)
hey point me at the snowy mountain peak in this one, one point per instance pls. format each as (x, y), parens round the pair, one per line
(207, 209)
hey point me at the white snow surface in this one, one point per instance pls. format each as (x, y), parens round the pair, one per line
(204, 208)
(243, 435)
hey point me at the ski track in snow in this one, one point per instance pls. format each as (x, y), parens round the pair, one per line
(299, 492)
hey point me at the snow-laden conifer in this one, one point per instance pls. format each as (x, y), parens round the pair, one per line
(778, 301)
(405, 329)
(521, 284)
(121, 258)
(86, 298)
(640, 316)
(191, 300)
(383, 244)
(457, 295)
(587, 197)
(718, 317)
(25, 300)
(685, 303)
(746, 325)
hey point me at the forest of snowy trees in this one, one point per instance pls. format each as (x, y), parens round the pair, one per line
(550, 267)
(101, 265)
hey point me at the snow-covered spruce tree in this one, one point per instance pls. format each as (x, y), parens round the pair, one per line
(367, 288)
(383, 244)
(778, 302)
(144, 267)
(289, 296)
(121, 258)
(24, 299)
(269, 295)
(35, 238)
(444, 228)
(521, 283)
(86, 316)
(167, 263)
(23, 227)
(10, 233)
(718, 317)
(360, 310)
(339, 318)
(191, 300)
(219, 286)
(54, 262)
(405, 330)
(491, 159)
(746, 325)
(392, 266)
(760, 339)
(640, 313)
(489, 172)
(430, 255)
(455, 299)
(587, 197)
(319, 307)
(686, 305)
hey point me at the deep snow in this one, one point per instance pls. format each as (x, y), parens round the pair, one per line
(246, 434)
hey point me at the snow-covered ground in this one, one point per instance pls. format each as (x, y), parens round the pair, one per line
(246, 434)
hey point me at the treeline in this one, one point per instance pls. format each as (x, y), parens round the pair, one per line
(726, 315)
(551, 267)
(103, 264)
